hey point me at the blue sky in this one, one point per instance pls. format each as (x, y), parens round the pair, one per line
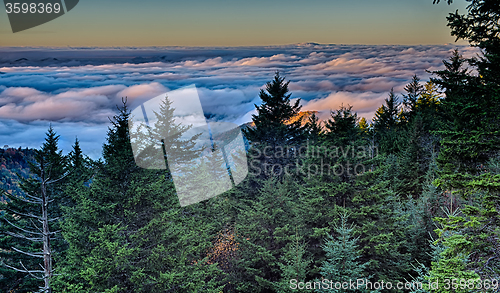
(240, 23)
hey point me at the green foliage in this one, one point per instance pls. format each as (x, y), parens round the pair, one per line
(266, 226)
(271, 127)
(386, 123)
(294, 265)
(22, 218)
(342, 126)
(278, 128)
(363, 125)
(342, 255)
(452, 263)
(472, 231)
(127, 232)
(380, 226)
(314, 128)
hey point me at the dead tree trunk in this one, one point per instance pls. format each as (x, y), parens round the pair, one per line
(34, 232)
(47, 254)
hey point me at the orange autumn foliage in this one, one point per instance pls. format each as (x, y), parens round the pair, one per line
(224, 249)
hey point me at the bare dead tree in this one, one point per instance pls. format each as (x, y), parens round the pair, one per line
(35, 233)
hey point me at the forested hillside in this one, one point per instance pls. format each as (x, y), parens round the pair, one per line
(409, 202)
(14, 163)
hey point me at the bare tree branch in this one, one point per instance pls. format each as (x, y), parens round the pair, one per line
(10, 195)
(34, 254)
(42, 181)
(25, 231)
(24, 270)
(26, 215)
(26, 200)
(36, 227)
(55, 180)
(24, 237)
(38, 199)
(31, 272)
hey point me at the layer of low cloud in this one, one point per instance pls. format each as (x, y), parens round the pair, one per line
(78, 89)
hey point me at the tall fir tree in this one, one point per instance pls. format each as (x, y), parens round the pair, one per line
(271, 127)
(381, 228)
(31, 221)
(81, 169)
(127, 232)
(471, 112)
(342, 254)
(276, 132)
(471, 104)
(342, 126)
(413, 90)
(314, 128)
(267, 227)
(294, 265)
(387, 123)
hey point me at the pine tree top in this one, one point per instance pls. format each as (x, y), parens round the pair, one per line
(272, 122)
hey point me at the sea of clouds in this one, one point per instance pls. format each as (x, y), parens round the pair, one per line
(77, 89)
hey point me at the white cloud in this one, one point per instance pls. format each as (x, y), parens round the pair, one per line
(76, 93)
(361, 102)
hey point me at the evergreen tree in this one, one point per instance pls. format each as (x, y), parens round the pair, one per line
(127, 232)
(480, 27)
(314, 128)
(468, 229)
(294, 265)
(422, 118)
(342, 126)
(411, 175)
(271, 127)
(363, 125)
(387, 117)
(342, 255)
(387, 124)
(470, 109)
(31, 221)
(471, 138)
(428, 104)
(329, 171)
(422, 101)
(341, 152)
(267, 226)
(420, 213)
(163, 140)
(276, 131)
(381, 228)
(78, 181)
(413, 90)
